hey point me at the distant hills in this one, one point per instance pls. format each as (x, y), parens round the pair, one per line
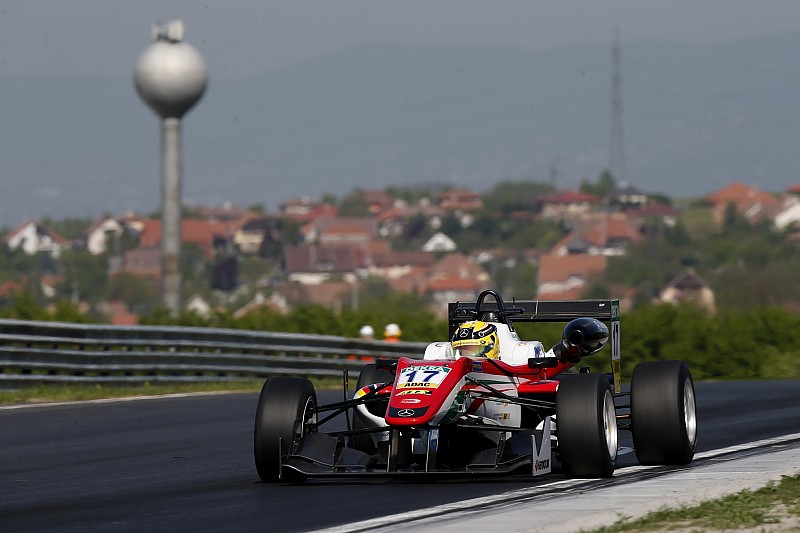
(695, 118)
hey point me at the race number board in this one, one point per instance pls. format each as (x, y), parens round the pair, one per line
(615, 353)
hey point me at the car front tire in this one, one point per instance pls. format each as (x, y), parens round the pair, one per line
(285, 412)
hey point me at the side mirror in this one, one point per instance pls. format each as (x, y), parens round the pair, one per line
(386, 364)
(543, 362)
(581, 337)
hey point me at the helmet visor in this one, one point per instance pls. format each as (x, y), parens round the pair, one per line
(474, 350)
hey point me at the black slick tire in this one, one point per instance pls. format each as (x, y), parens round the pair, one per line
(586, 426)
(663, 413)
(285, 410)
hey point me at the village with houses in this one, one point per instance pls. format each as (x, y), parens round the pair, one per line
(313, 252)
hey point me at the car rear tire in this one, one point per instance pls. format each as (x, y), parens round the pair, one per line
(663, 413)
(286, 411)
(586, 426)
(369, 375)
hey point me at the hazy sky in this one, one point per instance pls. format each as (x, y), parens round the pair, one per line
(241, 36)
(237, 38)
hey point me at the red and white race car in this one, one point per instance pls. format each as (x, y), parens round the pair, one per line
(485, 402)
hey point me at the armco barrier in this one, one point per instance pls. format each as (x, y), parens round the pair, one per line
(58, 352)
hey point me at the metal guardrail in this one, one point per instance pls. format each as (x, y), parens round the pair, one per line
(58, 352)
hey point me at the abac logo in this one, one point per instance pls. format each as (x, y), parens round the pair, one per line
(541, 457)
(541, 465)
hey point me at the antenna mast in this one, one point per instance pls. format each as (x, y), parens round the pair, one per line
(616, 156)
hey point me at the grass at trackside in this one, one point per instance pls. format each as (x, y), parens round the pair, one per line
(70, 393)
(767, 507)
(78, 392)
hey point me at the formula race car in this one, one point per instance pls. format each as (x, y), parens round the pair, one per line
(485, 402)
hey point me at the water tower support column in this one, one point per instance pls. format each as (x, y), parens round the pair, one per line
(171, 212)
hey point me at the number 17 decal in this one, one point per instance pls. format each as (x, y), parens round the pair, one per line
(422, 377)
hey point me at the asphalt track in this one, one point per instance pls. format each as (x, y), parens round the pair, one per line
(185, 463)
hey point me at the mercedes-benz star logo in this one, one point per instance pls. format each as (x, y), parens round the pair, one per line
(405, 412)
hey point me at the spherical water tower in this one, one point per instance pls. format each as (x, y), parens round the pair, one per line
(170, 77)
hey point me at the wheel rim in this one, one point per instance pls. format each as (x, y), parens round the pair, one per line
(689, 412)
(610, 425)
(307, 419)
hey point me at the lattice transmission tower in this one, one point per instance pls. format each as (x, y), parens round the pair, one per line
(616, 153)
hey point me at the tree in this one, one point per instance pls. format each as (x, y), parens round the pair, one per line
(605, 185)
(508, 196)
(328, 198)
(69, 228)
(16, 264)
(451, 226)
(85, 275)
(139, 294)
(196, 270)
(288, 229)
(536, 234)
(353, 205)
(415, 226)
(524, 280)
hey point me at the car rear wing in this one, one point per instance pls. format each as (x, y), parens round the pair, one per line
(542, 311)
(535, 311)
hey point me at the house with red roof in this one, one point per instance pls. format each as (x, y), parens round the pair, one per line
(303, 209)
(656, 211)
(33, 238)
(339, 231)
(788, 215)
(413, 280)
(397, 264)
(118, 314)
(144, 261)
(457, 265)
(567, 276)
(206, 234)
(750, 202)
(394, 221)
(333, 294)
(568, 204)
(688, 287)
(626, 197)
(314, 264)
(455, 278)
(275, 302)
(377, 201)
(439, 242)
(460, 199)
(251, 233)
(100, 236)
(209, 235)
(600, 234)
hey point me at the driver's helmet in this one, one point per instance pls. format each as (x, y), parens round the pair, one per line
(476, 339)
